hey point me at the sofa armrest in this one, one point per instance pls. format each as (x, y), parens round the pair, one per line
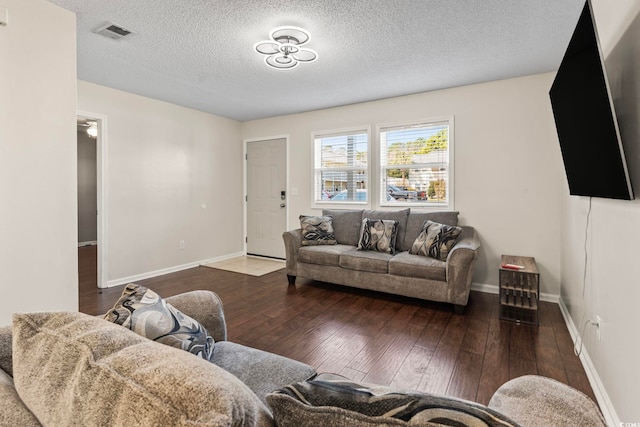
(533, 400)
(292, 243)
(461, 264)
(205, 307)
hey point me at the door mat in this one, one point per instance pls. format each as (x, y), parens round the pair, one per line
(253, 266)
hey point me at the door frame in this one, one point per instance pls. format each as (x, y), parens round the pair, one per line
(101, 193)
(245, 172)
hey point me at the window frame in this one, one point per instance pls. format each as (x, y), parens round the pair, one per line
(381, 179)
(329, 204)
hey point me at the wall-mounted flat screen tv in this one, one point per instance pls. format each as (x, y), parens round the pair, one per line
(586, 123)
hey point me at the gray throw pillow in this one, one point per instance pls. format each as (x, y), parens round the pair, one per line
(378, 235)
(331, 400)
(317, 230)
(145, 313)
(435, 240)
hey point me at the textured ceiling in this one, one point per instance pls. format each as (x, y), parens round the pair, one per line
(199, 53)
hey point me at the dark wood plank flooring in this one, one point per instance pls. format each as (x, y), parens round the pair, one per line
(370, 336)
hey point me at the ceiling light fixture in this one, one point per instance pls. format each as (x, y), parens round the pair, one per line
(92, 130)
(283, 50)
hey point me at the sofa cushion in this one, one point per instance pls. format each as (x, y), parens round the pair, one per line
(145, 313)
(322, 255)
(435, 240)
(317, 230)
(407, 265)
(72, 369)
(261, 371)
(346, 224)
(376, 262)
(331, 400)
(401, 216)
(13, 411)
(416, 221)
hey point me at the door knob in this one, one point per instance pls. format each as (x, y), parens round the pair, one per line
(282, 205)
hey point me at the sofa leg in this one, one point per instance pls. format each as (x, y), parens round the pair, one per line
(458, 309)
(292, 279)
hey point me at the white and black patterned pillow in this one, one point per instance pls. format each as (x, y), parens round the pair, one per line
(435, 240)
(378, 235)
(145, 313)
(317, 230)
(333, 400)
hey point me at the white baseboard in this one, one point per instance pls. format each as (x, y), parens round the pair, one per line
(222, 258)
(493, 289)
(162, 272)
(89, 243)
(608, 411)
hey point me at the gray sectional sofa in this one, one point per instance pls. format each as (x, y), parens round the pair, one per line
(401, 273)
(71, 369)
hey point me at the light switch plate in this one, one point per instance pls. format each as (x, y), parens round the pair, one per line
(4, 16)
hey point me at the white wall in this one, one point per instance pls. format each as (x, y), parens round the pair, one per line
(612, 287)
(507, 163)
(164, 163)
(38, 253)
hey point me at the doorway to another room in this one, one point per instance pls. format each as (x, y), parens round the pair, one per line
(90, 178)
(87, 133)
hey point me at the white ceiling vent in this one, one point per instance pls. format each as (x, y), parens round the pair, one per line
(113, 31)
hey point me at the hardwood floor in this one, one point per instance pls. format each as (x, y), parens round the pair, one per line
(371, 336)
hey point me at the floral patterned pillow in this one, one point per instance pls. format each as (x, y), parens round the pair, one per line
(435, 240)
(145, 313)
(378, 235)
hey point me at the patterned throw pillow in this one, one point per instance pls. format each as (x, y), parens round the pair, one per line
(378, 235)
(317, 230)
(333, 400)
(435, 240)
(145, 313)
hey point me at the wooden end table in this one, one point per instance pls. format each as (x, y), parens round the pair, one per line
(519, 290)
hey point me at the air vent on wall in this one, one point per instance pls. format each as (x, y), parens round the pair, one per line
(113, 31)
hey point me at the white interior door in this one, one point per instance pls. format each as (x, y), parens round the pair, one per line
(266, 197)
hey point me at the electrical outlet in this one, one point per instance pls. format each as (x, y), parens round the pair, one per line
(181, 244)
(598, 325)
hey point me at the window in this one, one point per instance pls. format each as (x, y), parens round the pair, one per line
(415, 164)
(341, 167)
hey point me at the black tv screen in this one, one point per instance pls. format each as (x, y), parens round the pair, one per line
(585, 119)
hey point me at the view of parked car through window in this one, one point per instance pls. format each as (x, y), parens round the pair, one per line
(414, 160)
(412, 166)
(398, 193)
